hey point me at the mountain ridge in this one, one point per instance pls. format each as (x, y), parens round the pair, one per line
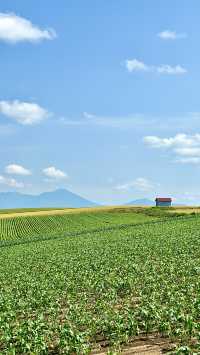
(56, 198)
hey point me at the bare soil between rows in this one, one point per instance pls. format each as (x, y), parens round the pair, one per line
(141, 345)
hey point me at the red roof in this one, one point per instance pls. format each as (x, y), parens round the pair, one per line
(163, 199)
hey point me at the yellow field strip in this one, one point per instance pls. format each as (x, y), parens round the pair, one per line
(58, 212)
(184, 209)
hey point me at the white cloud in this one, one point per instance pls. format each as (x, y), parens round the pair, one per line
(15, 169)
(53, 173)
(25, 113)
(139, 184)
(188, 152)
(11, 182)
(180, 140)
(171, 35)
(15, 29)
(157, 142)
(185, 147)
(135, 65)
(168, 69)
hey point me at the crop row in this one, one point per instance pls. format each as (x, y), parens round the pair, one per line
(26, 227)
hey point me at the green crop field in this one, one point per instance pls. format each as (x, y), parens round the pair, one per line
(94, 282)
(56, 225)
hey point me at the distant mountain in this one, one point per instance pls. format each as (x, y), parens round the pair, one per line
(141, 202)
(57, 198)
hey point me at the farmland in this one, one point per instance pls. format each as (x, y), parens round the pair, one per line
(96, 281)
(59, 224)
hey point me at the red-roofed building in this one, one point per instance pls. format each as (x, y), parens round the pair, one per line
(163, 202)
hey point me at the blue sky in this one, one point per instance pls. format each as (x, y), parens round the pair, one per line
(100, 97)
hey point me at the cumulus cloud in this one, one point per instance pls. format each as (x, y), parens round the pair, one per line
(15, 29)
(171, 35)
(11, 182)
(139, 184)
(15, 169)
(25, 113)
(179, 140)
(53, 173)
(168, 69)
(185, 147)
(134, 65)
(188, 152)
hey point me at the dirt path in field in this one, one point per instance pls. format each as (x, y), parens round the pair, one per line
(141, 345)
(140, 350)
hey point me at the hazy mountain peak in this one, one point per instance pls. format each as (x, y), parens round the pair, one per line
(56, 198)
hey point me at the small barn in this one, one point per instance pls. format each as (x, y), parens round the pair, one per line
(163, 201)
